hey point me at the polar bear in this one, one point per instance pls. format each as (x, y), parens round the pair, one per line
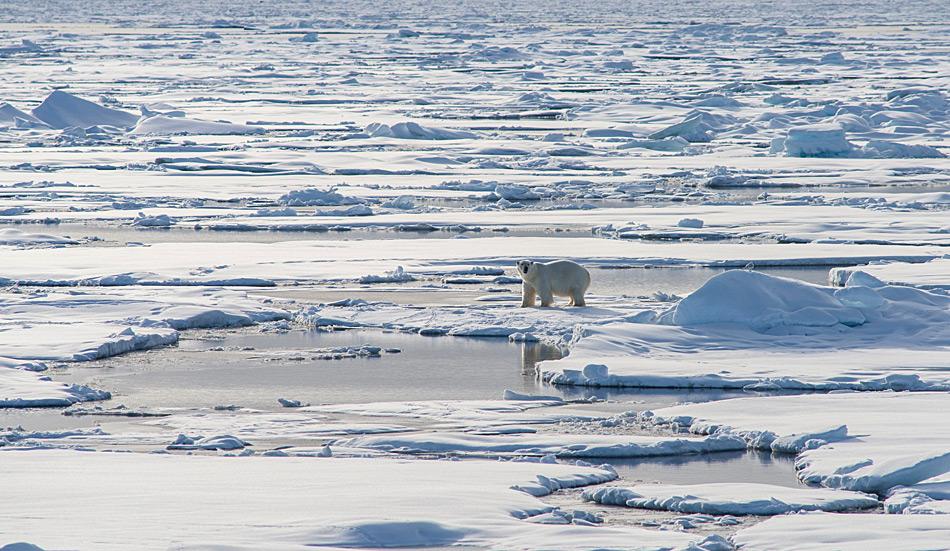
(561, 278)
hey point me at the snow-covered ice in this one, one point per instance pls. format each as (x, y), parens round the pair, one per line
(731, 499)
(862, 441)
(559, 445)
(299, 502)
(745, 329)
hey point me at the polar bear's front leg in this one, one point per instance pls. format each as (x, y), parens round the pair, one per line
(528, 295)
(547, 298)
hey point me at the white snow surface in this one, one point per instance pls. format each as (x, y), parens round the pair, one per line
(256, 264)
(294, 503)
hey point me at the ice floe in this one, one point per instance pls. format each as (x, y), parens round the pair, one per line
(26, 389)
(867, 442)
(744, 329)
(331, 502)
(541, 444)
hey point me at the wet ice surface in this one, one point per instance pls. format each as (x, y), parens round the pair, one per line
(253, 370)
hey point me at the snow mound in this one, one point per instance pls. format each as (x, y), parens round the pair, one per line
(161, 125)
(730, 498)
(882, 149)
(415, 131)
(763, 303)
(61, 110)
(696, 127)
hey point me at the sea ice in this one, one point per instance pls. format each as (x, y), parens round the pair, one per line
(730, 498)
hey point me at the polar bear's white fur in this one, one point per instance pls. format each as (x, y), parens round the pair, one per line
(561, 278)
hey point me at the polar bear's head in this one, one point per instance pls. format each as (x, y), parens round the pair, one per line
(524, 266)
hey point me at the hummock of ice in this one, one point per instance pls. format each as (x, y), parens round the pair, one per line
(62, 109)
(762, 332)
(322, 502)
(829, 140)
(416, 131)
(11, 116)
(730, 498)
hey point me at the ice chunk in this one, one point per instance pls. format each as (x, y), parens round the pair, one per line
(399, 275)
(690, 223)
(817, 140)
(313, 197)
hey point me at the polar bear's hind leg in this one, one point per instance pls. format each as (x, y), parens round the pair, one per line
(577, 297)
